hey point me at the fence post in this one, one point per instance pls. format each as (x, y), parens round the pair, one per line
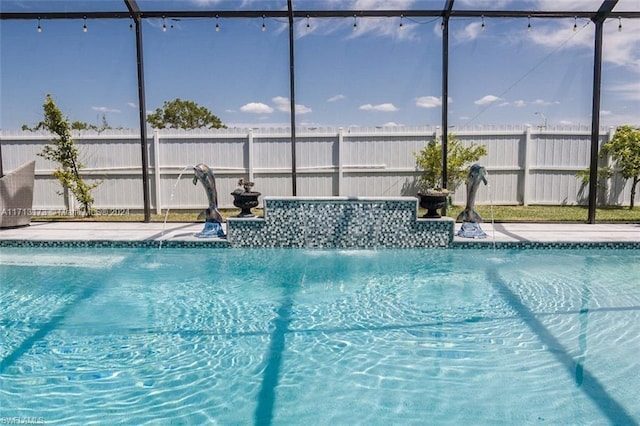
(606, 162)
(525, 172)
(250, 154)
(156, 171)
(69, 202)
(340, 160)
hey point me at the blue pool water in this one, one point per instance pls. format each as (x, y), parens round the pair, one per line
(229, 336)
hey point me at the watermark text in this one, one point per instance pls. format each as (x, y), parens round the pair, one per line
(21, 420)
(62, 212)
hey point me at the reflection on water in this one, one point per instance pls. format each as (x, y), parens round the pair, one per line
(293, 336)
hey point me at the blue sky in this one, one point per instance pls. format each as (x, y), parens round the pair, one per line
(377, 75)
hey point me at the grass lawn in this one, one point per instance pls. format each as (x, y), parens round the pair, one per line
(552, 213)
(499, 214)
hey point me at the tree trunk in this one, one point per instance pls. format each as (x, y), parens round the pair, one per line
(636, 179)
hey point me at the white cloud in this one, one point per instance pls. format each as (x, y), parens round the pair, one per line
(283, 104)
(520, 103)
(622, 47)
(628, 91)
(387, 107)
(378, 4)
(470, 32)
(557, 35)
(487, 4)
(336, 98)
(311, 125)
(384, 27)
(486, 100)
(256, 108)
(391, 124)
(620, 118)
(428, 101)
(132, 104)
(555, 4)
(104, 109)
(540, 102)
(619, 47)
(244, 3)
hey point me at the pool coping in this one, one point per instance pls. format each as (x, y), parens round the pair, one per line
(182, 235)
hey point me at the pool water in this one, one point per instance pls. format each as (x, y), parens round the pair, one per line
(230, 336)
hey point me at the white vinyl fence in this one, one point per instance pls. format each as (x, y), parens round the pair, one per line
(525, 165)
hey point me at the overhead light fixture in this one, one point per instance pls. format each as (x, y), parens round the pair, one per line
(400, 26)
(575, 24)
(39, 28)
(217, 24)
(84, 27)
(164, 25)
(442, 25)
(529, 23)
(619, 24)
(308, 25)
(131, 24)
(482, 26)
(264, 26)
(355, 23)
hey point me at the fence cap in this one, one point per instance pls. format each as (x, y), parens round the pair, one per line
(340, 199)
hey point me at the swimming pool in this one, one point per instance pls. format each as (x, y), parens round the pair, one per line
(277, 336)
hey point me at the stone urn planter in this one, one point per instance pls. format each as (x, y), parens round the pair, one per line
(245, 199)
(433, 201)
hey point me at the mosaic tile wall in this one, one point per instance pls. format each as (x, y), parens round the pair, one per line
(114, 244)
(544, 245)
(516, 245)
(340, 222)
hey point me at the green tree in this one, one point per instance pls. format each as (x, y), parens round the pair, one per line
(429, 159)
(624, 148)
(179, 114)
(64, 151)
(81, 125)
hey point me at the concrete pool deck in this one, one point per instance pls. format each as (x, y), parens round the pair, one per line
(138, 231)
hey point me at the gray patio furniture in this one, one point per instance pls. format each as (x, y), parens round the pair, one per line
(16, 196)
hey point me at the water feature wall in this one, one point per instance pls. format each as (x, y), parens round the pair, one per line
(340, 222)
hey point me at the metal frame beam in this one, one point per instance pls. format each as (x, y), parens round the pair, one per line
(446, 13)
(604, 11)
(292, 99)
(317, 14)
(135, 15)
(134, 12)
